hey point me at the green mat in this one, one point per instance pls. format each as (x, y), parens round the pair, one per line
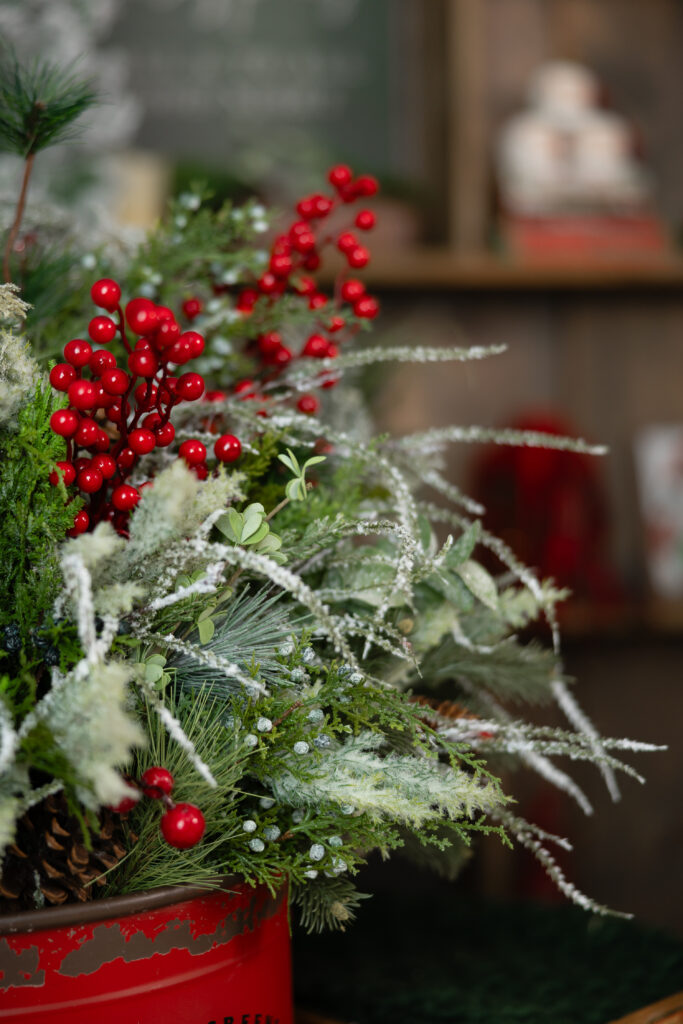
(438, 959)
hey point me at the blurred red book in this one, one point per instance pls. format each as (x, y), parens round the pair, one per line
(576, 237)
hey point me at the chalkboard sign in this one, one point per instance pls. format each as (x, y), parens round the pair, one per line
(267, 88)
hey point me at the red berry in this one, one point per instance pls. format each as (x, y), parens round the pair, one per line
(78, 352)
(268, 283)
(366, 185)
(339, 175)
(190, 387)
(81, 523)
(352, 290)
(101, 359)
(143, 362)
(304, 242)
(283, 356)
(90, 480)
(306, 208)
(337, 323)
(180, 351)
(82, 394)
(304, 285)
(105, 464)
(227, 448)
(365, 220)
(308, 404)
(243, 385)
(348, 193)
(183, 826)
(125, 497)
(151, 420)
(115, 412)
(215, 396)
(164, 435)
(317, 301)
(157, 781)
(102, 329)
(191, 308)
(193, 452)
(64, 422)
(106, 294)
(115, 381)
(67, 473)
(142, 441)
(312, 261)
(81, 464)
(332, 351)
(347, 241)
(164, 314)
(168, 333)
(322, 205)
(246, 300)
(142, 316)
(281, 266)
(146, 394)
(316, 347)
(87, 432)
(358, 257)
(61, 376)
(329, 382)
(125, 459)
(366, 307)
(269, 343)
(102, 442)
(195, 342)
(200, 470)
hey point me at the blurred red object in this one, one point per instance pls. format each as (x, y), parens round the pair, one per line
(549, 506)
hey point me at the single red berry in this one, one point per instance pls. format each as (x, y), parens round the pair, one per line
(123, 806)
(190, 387)
(365, 220)
(332, 351)
(317, 301)
(358, 257)
(243, 385)
(105, 464)
(281, 266)
(304, 285)
(269, 343)
(366, 307)
(348, 193)
(146, 394)
(180, 351)
(82, 394)
(115, 412)
(192, 308)
(102, 329)
(282, 246)
(214, 396)
(164, 435)
(142, 316)
(90, 480)
(366, 185)
(67, 473)
(312, 261)
(339, 175)
(246, 300)
(304, 242)
(142, 441)
(102, 442)
(87, 432)
(336, 323)
(115, 381)
(125, 459)
(227, 448)
(315, 347)
(78, 352)
(151, 420)
(322, 205)
(299, 227)
(283, 356)
(81, 523)
(200, 470)
(330, 382)
(195, 342)
(308, 404)
(192, 451)
(81, 463)
(352, 290)
(101, 359)
(64, 422)
(104, 399)
(183, 826)
(143, 363)
(61, 376)
(168, 333)
(306, 208)
(125, 497)
(165, 314)
(268, 283)
(142, 343)
(347, 241)
(156, 782)
(106, 294)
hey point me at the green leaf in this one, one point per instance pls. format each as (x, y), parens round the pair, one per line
(253, 521)
(313, 461)
(296, 490)
(153, 673)
(464, 546)
(260, 535)
(479, 583)
(206, 629)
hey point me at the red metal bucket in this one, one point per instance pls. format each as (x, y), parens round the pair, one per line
(178, 955)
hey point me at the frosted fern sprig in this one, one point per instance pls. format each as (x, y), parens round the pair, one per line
(453, 493)
(584, 725)
(177, 733)
(9, 740)
(432, 440)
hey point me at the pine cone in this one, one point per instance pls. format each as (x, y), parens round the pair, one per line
(443, 708)
(49, 855)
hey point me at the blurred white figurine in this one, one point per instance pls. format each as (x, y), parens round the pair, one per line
(564, 154)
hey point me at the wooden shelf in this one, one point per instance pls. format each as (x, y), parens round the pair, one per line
(425, 268)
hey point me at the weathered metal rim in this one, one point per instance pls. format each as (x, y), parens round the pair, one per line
(112, 906)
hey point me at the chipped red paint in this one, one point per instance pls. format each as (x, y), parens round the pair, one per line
(195, 959)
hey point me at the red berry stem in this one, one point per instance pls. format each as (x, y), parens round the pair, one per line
(122, 329)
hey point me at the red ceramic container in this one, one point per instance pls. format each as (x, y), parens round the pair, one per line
(179, 955)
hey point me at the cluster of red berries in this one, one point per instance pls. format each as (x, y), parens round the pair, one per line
(295, 255)
(115, 415)
(182, 825)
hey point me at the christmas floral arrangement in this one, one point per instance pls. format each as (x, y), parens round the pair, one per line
(233, 638)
